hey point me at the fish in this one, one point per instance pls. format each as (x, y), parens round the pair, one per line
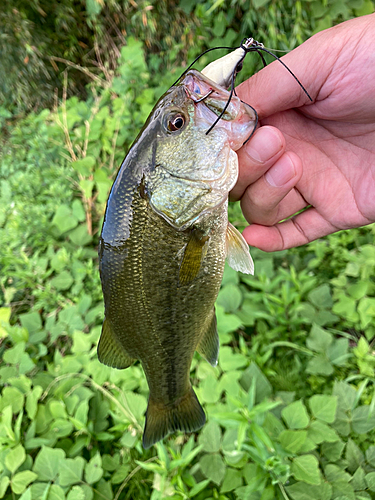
(163, 246)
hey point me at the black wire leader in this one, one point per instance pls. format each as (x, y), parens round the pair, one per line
(248, 45)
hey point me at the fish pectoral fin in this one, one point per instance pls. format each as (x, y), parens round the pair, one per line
(195, 252)
(110, 351)
(185, 415)
(208, 346)
(238, 254)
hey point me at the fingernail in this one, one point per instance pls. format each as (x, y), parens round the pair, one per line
(264, 145)
(281, 173)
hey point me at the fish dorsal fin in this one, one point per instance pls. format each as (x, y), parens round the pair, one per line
(208, 346)
(195, 252)
(238, 255)
(110, 351)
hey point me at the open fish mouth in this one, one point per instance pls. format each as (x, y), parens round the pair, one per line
(211, 101)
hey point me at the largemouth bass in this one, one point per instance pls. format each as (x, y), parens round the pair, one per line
(164, 242)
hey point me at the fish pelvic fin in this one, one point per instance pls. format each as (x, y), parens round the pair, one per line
(185, 415)
(194, 254)
(110, 351)
(238, 255)
(208, 346)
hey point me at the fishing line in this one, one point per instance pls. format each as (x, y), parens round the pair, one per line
(197, 58)
(251, 45)
(248, 45)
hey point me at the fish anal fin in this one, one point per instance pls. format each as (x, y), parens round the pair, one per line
(208, 346)
(185, 415)
(110, 351)
(238, 255)
(195, 251)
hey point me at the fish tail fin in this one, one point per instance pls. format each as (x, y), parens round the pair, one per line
(185, 415)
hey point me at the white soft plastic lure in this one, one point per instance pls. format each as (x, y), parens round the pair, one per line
(221, 70)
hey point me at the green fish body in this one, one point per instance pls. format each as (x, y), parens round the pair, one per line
(163, 246)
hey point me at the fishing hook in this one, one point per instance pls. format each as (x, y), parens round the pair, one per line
(248, 45)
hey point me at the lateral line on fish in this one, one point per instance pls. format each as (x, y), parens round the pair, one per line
(144, 299)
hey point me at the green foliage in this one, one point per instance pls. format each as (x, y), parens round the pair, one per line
(290, 406)
(42, 38)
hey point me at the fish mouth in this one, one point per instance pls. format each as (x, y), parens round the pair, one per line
(211, 100)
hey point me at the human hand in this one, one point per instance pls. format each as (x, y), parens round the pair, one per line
(329, 161)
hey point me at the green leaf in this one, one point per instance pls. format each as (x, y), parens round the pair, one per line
(306, 468)
(40, 491)
(345, 306)
(319, 340)
(230, 276)
(47, 463)
(64, 219)
(21, 481)
(4, 483)
(85, 165)
(213, 467)
(324, 407)
(76, 493)
(346, 395)
(56, 493)
(338, 352)
(232, 480)
(229, 360)
(210, 437)
(197, 488)
(86, 186)
(342, 422)
(263, 388)
(321, 297)
(12, 397)
(303, 491)
(370, 455)
(366, 311)
(319, 433)
(362, 420)
(370, 481)
(13, 355)
(80, 236)
(78, 210)
(358, 480)
(319, 365)
(71, 470)
(93, 7)
(226, 322)
(292, 440)
(32, 401)
(137, 404)
(27, 495)
(354, 456)
(5, 313)
(120, 474)
(295, 415)
(335, 474)
(31, 321)
(15, 458)
(209, 390)
(230, 297)
(63, 281)
(93, 470)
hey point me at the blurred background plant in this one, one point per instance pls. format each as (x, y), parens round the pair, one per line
(291, 406)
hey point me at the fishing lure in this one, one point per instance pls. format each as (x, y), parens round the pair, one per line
(223, 71)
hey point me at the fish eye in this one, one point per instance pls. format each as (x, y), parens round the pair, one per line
(197, 89)
(176, 122)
